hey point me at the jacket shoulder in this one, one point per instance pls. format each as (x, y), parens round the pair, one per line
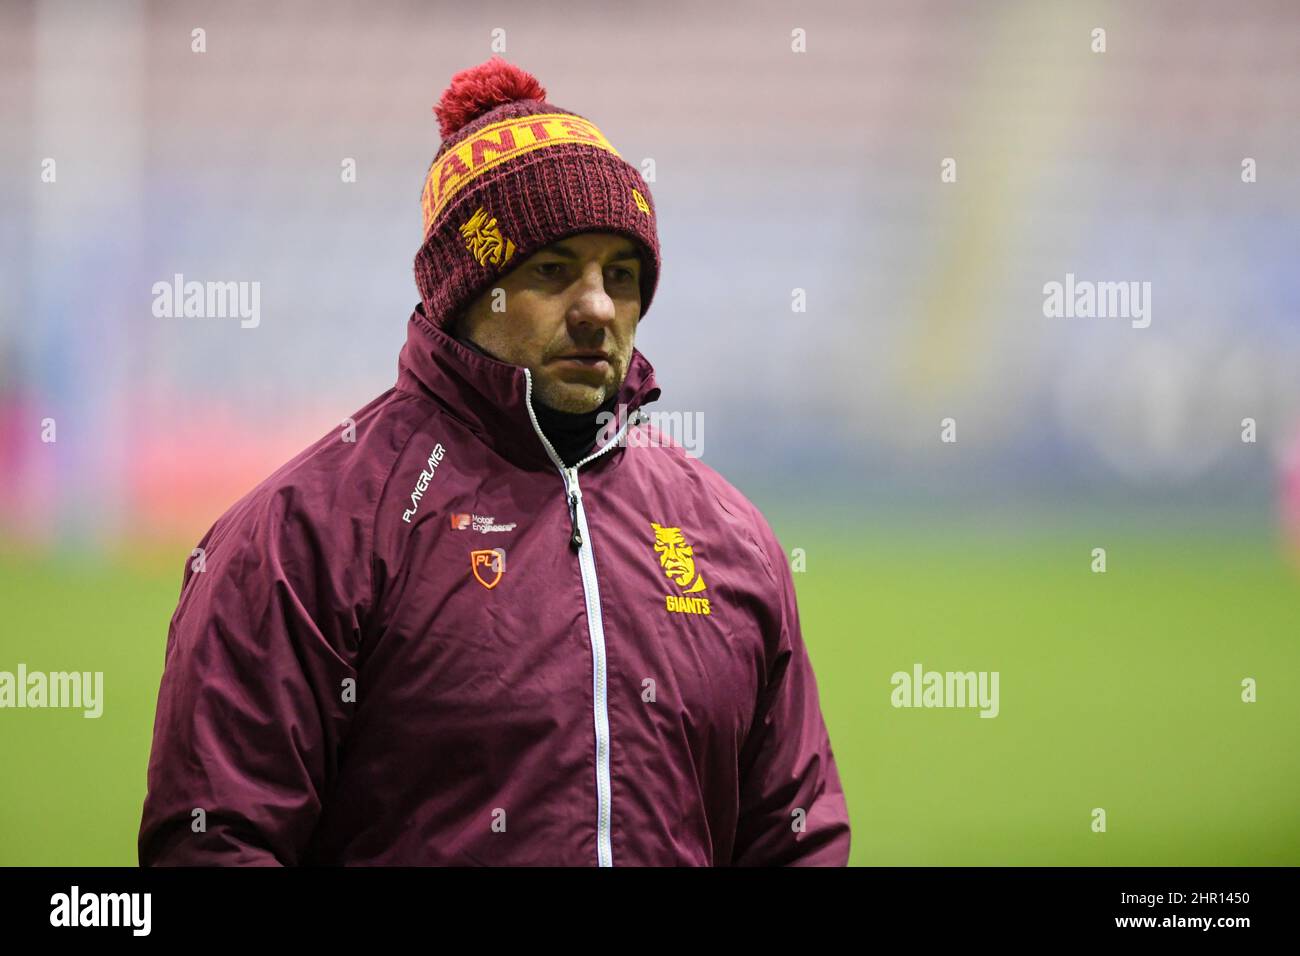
(329, 491)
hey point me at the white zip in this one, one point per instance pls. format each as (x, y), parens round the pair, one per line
(595, 622)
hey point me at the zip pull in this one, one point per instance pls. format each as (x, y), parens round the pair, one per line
(575, 536)
(575, 539)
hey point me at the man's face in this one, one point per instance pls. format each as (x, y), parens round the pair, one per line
(570, 315)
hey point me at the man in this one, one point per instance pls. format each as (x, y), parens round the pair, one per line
(499, 621)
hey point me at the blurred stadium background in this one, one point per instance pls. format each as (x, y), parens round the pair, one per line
(773, 171)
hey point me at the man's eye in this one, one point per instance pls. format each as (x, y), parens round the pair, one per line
(623, 275)
(550, 270)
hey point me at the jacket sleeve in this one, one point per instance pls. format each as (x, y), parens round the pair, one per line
(253, 705)
(792, 806)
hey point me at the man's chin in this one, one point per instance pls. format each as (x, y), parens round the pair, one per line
(575, 398)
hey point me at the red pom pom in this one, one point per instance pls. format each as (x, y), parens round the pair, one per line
(480, 88)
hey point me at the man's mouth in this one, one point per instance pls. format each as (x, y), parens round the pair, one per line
(592, 359)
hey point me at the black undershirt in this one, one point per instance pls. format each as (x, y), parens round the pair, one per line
(572, 435)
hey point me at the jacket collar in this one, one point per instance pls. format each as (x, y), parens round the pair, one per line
(489, 397)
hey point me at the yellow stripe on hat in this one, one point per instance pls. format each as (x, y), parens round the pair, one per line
(496, 144)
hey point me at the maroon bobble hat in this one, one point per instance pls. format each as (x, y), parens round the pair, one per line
(513, 174)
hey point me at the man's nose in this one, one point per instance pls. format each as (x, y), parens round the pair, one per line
(592, 305)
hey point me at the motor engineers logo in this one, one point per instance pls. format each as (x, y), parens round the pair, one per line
(483, 524)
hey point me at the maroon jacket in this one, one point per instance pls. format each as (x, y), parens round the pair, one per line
(433, 644)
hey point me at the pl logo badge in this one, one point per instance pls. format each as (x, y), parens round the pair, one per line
(488, 566)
